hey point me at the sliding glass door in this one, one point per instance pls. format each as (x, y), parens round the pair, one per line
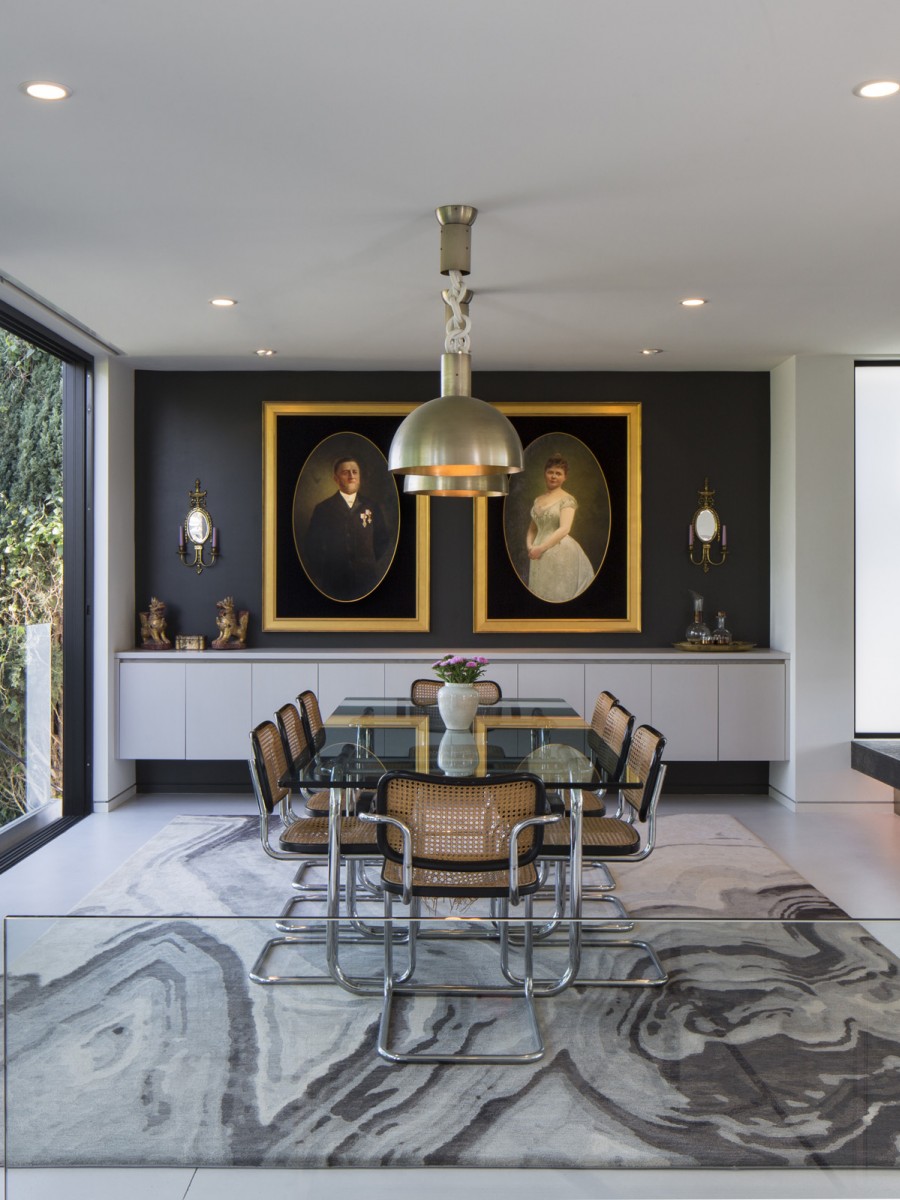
(44, 557)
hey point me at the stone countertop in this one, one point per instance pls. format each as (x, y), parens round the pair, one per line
(430, 653)
(878, 758)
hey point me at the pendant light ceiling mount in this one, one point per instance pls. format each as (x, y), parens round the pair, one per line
(456, 437)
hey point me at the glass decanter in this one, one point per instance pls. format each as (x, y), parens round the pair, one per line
(720, 635)
(697, 631)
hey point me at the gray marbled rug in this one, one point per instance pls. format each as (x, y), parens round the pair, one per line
(702, 866)
(137, 1041)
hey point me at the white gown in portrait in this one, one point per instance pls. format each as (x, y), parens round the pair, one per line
(563, 571)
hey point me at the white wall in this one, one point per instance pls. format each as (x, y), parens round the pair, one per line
(812, 576)
(114, 604)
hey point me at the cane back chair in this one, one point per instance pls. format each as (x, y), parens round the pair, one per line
(588, 839)
(295, 739)
(303, 839)
(424, 691)
(463, 839)
(609, 741)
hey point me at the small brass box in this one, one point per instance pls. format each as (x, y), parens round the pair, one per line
(190, 641)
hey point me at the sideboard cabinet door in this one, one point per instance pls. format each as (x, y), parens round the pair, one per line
(553, 681)
(218, 710)
(337, 681)
(628, 682)
(275, 684)
(151, 710)
(752, 711)
(685, 709)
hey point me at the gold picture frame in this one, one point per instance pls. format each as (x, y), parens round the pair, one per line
(610, 435)
(294, 599)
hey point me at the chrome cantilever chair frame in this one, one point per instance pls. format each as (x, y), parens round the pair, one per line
(317, 801)
(267, 766)
(426, 864)
(572, 850)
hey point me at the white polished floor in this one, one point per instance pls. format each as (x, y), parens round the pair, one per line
(851, 853)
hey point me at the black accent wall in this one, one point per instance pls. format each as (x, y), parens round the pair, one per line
(209, 425)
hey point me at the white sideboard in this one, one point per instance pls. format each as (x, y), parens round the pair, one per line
(202, 705)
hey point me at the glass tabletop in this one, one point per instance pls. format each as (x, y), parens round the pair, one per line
(365, 737)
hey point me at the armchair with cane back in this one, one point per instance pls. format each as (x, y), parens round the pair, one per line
(588, 839)
(462, 839)
(298, 839)
(424, 691)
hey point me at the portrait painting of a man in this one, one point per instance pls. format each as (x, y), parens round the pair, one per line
(346, 517)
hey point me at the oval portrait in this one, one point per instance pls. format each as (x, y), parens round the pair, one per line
(556, 519)
(346, 517)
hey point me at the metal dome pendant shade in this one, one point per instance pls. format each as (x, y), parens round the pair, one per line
(465, 486)
(456, 436)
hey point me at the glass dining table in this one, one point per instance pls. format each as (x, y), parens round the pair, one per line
(365, 737)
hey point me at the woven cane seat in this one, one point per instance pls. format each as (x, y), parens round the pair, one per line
(317, 802)
(600, 836)
(591, 805)
(309, 835)
(428, 882)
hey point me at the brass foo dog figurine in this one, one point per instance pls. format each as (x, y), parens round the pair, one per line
(153, 627)
(232, 626)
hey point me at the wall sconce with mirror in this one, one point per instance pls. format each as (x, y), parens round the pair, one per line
(706, 528)
(196, 531)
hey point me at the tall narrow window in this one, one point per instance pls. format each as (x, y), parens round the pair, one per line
(43, 577)
(877, 549)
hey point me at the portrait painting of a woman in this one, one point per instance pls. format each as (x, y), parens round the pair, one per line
(557, 539)
(558, 568)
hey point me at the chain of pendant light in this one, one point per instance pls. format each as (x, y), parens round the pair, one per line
(457, 340)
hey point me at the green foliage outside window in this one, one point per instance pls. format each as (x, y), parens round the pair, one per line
(31, 548)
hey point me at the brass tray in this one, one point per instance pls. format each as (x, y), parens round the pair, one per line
(711, 648)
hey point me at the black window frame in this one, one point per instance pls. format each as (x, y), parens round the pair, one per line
(17, 841)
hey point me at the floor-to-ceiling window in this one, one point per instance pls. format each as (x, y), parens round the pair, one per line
(877, 458)
(44, 573)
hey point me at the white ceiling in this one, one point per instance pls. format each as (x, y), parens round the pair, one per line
(622, 154)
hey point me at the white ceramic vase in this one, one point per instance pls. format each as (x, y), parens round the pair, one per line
(457, 703)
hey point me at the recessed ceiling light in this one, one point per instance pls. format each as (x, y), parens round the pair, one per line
(223, 302)
(693, 302)
(43, 89)
(651, 350)
(264, 352)
(877, 89)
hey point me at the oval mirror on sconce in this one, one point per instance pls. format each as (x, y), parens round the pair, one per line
(195, 531)
(706, 524)
(198, 526)
(706, 528)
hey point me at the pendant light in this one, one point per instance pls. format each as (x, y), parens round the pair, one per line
(456, 437)
(467, 486)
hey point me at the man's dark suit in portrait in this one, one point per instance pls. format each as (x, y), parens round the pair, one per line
(347, 537)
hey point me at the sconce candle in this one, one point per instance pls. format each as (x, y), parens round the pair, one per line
(180, 539)
(724, 536)
(215, 538)
(690, 537)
